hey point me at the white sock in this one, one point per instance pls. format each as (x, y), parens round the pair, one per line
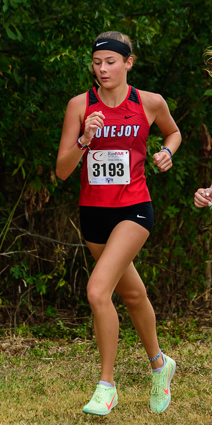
(160, 368)
(107, 384)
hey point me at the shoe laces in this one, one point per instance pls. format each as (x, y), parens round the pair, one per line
(157, 382)
(98, 395)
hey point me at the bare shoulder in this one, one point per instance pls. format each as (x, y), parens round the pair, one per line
(157, 111)
(78, 101)
(152, 101)
(77, 106)
(154, 105)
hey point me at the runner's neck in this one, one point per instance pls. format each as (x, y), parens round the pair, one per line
(114, 97)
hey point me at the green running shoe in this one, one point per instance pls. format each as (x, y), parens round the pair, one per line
(103, 400)
(160, 394)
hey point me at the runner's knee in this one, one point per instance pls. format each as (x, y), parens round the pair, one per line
(97, 299)
(135, 297)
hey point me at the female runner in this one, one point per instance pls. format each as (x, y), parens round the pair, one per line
(109, 127)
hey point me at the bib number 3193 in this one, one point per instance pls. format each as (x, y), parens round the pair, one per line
(108, 167)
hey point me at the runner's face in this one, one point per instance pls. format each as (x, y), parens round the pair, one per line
(110, 68)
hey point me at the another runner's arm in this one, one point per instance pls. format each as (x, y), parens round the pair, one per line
(69, 154)
(203, 197)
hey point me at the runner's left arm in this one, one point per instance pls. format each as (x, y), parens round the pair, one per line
(171, 133)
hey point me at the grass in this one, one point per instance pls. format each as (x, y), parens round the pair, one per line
(48, 382)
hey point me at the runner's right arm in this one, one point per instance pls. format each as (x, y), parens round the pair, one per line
(69, 153)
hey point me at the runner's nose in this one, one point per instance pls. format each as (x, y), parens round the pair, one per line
(102, 67)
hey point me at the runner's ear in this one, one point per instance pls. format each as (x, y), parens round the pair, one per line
(129, 63)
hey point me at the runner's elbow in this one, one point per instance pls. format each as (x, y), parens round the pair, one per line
(61, 175)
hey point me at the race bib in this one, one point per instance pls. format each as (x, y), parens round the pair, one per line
(108, 167)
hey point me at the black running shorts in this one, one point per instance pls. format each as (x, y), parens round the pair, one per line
(97, 223)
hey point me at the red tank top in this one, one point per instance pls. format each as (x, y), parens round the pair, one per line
(125, 128)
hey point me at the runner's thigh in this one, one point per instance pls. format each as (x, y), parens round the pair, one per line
(125, 241)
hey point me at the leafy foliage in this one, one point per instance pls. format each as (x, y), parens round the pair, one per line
(45, 60)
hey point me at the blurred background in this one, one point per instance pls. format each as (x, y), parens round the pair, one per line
(45, 59)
